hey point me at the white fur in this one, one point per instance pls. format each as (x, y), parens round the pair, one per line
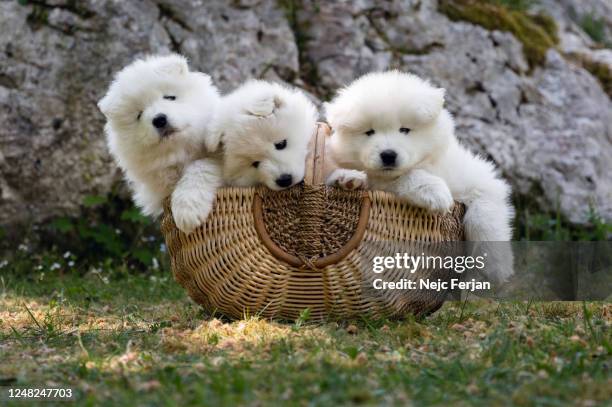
(432, 167)
(251, 121)
(153, 160)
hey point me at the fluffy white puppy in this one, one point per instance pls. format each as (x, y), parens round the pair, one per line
(265, 129)
(158, 130)
(393, 127)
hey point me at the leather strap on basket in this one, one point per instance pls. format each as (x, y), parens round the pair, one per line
(313, 200)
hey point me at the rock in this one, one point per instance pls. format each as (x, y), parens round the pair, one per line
(549, 129)
(577, 11)
(57, 59)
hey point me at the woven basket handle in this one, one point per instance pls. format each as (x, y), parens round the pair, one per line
(317, 167)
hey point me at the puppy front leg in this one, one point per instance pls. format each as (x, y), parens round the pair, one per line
(426, 190)
(194, 194)
(148, 200)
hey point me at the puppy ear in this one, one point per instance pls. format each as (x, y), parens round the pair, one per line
(213, 141)
(332, 113)
(430, 105)
(265, 106)
(278, 102)
(173, 65)
(342, 116)
(106, 104)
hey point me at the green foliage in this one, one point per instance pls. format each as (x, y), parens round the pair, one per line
(38, 17)
(537, 33)
(91, 201)
(594, 27)
(598, 229)
(108, 228)
(540, 226)
(518, 5)
(302, 319)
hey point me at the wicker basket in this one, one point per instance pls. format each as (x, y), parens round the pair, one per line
(275, 254)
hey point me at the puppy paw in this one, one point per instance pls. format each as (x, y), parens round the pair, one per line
(347, 179)
(435, 197)
(189, 215)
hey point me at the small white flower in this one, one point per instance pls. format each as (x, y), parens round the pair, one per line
(155, 264)
(71, 263)
(162, 248)
(67, 254)
(23, 247)
(3, 264)
(55, 266)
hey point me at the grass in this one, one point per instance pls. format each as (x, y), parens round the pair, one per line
(537, 32)
(122, 338)
(595, 28)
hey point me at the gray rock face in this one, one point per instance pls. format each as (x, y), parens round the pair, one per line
(550, 130)
(57, 60)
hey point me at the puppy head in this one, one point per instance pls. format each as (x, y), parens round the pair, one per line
(265, 131)
(386, 123)
(158, 101)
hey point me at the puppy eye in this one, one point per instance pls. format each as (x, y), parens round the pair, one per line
(404, 130)
(139, 116)
(168, 97)
(281, 145)
(255, 164)
(370, 132)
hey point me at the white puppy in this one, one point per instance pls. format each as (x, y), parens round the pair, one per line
(158, 130)
(393, 127)
(265, 129)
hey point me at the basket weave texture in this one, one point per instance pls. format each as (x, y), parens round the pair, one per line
(274, 254)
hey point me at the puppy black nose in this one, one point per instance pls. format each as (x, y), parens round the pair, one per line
(388, 157)
(284, 180)
(160, 121)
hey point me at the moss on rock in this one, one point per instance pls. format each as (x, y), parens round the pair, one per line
(536, 32)
(601, 71)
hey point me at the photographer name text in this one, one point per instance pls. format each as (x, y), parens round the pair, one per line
(433, 285)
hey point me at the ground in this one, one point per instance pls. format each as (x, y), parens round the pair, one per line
(134, 338)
